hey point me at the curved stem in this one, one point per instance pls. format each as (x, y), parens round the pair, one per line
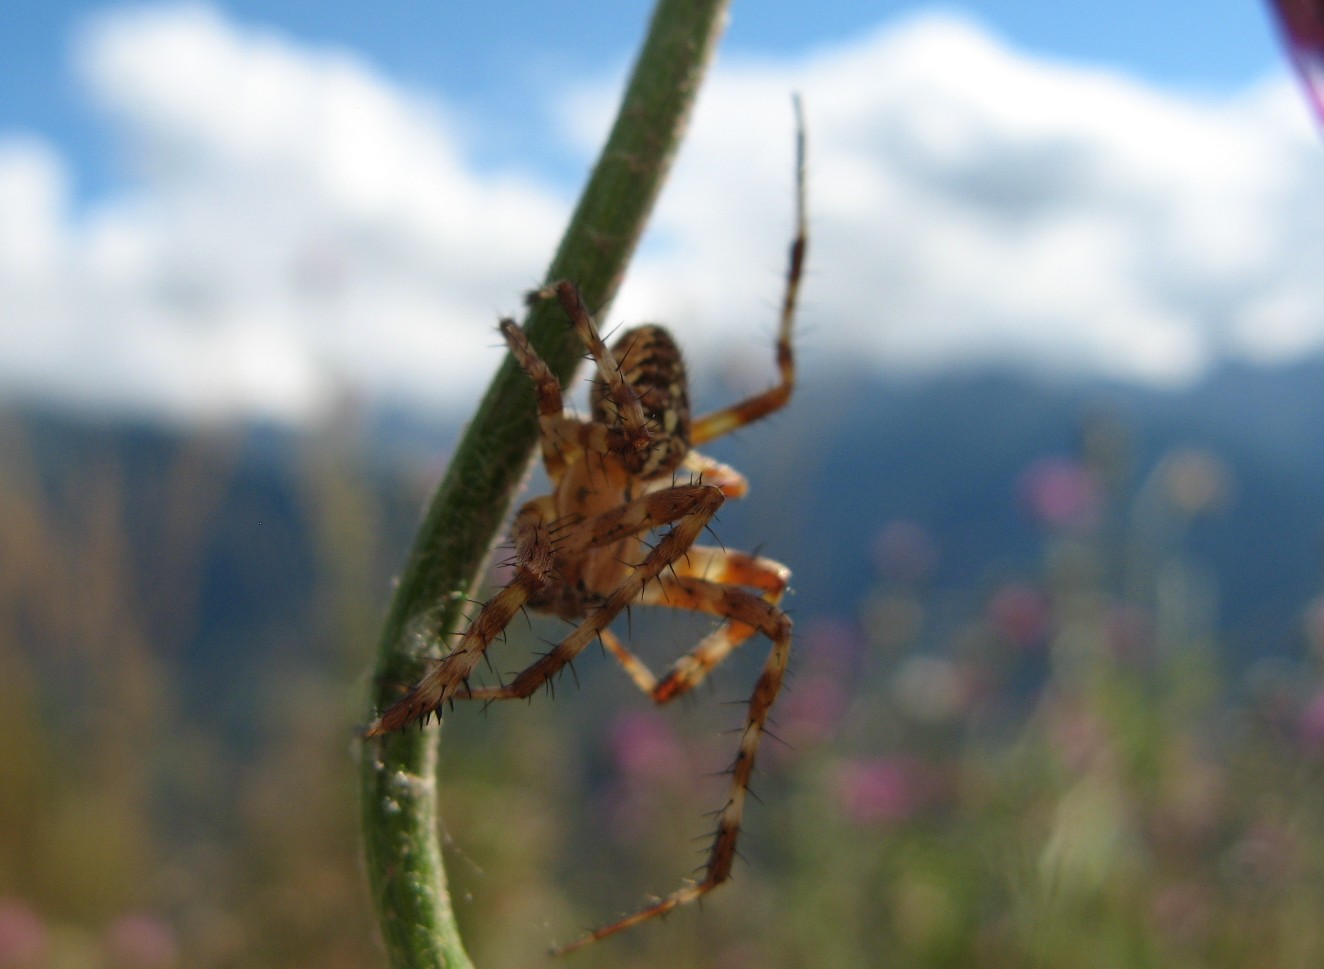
(398, 782)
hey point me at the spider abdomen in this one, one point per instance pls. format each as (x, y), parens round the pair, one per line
(651, 364)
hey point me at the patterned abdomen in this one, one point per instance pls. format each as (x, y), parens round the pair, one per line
(651, 364)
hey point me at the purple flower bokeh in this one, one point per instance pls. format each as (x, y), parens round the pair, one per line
(905, 552)
(885, 790)
(140, 941)
(23, 938)
(1020, 614)
(1059, 493)
(1311, 723)
(644, 745)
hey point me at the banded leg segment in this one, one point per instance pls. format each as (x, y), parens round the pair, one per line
(714, 472)
(547, 390)
(559, 435)
(724, 421)
(630, 411)
(689, 507)
(533, 571)
(707, 580)
(774, 623)
(745, 613)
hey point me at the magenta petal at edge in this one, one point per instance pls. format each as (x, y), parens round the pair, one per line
(1303, 25)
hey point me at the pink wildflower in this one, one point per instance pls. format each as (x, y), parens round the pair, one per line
(142, 942)
(644, 745)
(1311, 723)
(1183, 910)
(885, 790)
(1060, 494)
(905, 552)
(1020, 614)
(22, 936)
(810, 713)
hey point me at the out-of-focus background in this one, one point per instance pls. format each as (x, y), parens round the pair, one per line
(1052, 485)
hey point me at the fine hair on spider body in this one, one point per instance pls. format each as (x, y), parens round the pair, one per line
(627, 472)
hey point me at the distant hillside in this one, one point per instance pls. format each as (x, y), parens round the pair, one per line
(229, 534)
(948, 453)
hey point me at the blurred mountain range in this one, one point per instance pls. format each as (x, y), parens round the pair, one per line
(228, 535)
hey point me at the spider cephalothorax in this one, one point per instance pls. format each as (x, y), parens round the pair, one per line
(630, 497)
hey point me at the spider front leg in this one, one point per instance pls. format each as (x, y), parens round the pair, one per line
(534, 556)
(630, 422)
(560, 436)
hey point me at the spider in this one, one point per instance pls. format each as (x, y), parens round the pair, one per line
(581, 552)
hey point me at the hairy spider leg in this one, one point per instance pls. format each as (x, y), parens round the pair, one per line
(699, 578)
(720, 568)
(752, 611)
(561, 436)
(690, 507)
(701, 582)
(713, 472)
(534, 551)
(629, 412)
(547, 390)
(708, 580)
(727, 419)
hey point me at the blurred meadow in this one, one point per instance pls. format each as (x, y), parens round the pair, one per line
(1066, 761)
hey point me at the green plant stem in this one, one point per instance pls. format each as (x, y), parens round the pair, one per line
(398, 780)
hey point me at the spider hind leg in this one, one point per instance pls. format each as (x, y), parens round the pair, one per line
(746, 613)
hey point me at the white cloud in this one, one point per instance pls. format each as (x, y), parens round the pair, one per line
(969, 203)
(301, 225)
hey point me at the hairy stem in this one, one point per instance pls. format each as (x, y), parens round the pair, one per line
(398, 779)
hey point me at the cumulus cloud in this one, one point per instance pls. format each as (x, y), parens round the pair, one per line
(300, 226)
(970, 203)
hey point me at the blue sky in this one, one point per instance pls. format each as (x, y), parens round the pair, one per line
(486, 57)
(213, 210)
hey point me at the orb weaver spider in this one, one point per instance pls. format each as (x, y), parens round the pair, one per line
(581, 551)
